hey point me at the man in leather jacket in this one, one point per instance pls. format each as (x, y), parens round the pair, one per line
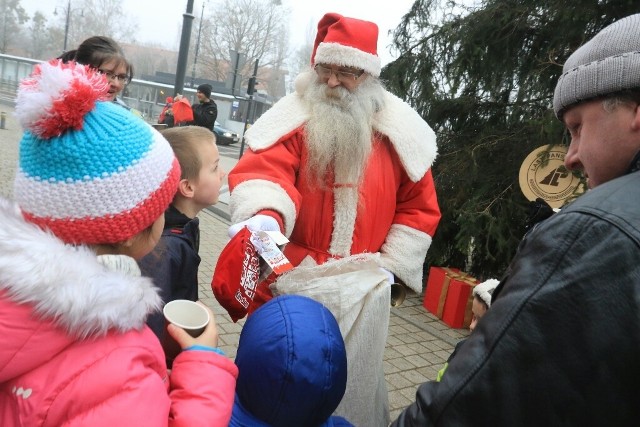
(561, 342)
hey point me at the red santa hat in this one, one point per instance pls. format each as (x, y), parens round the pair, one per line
(347, 42)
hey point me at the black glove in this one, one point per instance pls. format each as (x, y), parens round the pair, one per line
(539, 210)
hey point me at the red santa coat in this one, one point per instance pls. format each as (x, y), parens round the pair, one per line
(394, 211)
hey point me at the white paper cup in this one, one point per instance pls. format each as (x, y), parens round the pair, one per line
(188, 315)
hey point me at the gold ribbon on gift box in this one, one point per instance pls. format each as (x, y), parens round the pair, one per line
(468, 313)
(448, 275)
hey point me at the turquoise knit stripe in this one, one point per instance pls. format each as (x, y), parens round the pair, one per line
(88, 154)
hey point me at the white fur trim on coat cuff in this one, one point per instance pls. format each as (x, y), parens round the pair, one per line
(250, 197)
(403, 254)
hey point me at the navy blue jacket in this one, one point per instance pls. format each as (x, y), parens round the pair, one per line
(173, 264)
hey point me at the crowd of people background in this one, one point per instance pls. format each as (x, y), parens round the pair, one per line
(103, 231)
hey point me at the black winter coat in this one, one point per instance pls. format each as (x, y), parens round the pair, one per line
(173, 264)
(205, 114)
(561, 343)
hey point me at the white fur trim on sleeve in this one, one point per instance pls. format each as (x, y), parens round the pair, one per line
(412, 138)
(403, 254)
(250, 197)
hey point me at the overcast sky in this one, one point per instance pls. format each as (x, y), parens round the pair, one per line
(161, 20)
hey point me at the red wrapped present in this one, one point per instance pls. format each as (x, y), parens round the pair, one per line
(457, 307)
(436, 289)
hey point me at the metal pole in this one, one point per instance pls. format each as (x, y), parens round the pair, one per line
(184, 48)
(246, 119)
(235, 75)
(66, 26)
(195, 57)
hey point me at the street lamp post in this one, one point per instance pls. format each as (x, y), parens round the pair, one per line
(66, 27)
(184, 48)
(195, 56)
(66, 24)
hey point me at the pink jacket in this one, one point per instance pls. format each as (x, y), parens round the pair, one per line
(74, 349)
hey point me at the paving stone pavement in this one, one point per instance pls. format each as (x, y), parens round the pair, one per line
(418, 343)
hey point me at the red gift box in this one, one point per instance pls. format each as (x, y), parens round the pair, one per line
(457, 307)
(436, 289)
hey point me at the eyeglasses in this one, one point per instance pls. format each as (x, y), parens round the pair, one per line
(343, 76)
(122, 78)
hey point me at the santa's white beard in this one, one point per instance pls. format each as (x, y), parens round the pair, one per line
(339, 131)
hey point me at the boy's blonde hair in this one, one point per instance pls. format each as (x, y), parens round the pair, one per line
(185, 141)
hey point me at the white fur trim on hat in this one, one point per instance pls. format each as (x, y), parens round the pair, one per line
(347, 56)
(485, 289)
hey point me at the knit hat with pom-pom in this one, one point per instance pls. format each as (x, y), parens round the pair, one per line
(484, 290)
(89, 171)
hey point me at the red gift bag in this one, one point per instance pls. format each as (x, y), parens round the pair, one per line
(235, 278)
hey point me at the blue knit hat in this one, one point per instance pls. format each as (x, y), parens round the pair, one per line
(89, 171)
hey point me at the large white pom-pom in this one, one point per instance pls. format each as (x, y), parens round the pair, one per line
(56, 97)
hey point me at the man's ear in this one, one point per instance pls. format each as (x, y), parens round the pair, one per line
(185, 188)
(635, 125)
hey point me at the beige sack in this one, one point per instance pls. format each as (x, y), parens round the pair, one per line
(357, 292)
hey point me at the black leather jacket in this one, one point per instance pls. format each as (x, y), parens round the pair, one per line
(205, 114)
(561, 342)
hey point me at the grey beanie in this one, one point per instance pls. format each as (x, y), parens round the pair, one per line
(608, 63)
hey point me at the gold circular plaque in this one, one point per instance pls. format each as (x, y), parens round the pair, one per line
(543, 174)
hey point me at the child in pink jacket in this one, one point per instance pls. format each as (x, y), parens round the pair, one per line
(93, 183)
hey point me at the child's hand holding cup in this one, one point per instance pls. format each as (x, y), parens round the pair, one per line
(188, 323)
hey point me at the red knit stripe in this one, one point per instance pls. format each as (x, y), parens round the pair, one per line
(117, 227)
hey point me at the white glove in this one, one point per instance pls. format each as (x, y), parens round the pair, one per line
(255, 223)
(390, 277)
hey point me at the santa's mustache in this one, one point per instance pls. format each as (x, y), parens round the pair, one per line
(337, 93)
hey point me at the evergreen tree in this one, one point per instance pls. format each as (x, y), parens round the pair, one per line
(483, 77)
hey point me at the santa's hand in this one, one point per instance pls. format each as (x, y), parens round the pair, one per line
(255, 223)
(390, 277)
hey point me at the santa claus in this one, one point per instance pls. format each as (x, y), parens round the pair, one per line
(341, 166)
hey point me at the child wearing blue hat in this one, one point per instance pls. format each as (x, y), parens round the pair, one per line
(292, 366)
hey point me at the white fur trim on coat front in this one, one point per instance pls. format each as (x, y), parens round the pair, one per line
(66, 283)
(410, 135)
(345, 209)
(347, 56)
(250, 197)
(403, 253)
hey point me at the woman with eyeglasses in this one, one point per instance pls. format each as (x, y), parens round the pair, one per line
(106, 56)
